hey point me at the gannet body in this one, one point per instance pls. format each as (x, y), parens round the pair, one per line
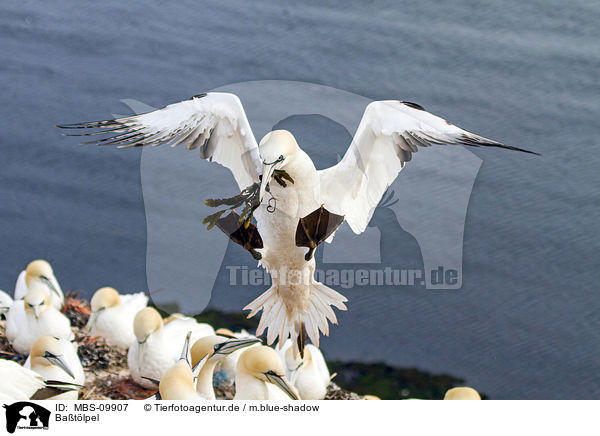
(33, 317)
(57, 360)
(157, 347)
(308, 374)
(260, 376)
(39, 275)
(113, 314)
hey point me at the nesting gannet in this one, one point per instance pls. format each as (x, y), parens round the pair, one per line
(63, 348)
(33, 317)
(112, 315)
(173, 317)
(157, 346)
(213, 349)
(55, 360)
(19, 383)
(260, 376)
(462, 393)
(309, 374)
(40, 275)
(309, 204)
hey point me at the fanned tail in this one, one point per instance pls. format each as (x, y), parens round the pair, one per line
(283, 322)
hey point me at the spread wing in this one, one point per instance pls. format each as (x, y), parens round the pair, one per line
(214, 123)
(387, 136)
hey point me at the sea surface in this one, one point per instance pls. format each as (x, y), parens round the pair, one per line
(524, 324)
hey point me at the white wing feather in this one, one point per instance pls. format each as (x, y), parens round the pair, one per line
(214, 123)
(388, 133)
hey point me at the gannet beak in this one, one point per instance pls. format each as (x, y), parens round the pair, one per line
(268, 170)
(234, 344)
(56, 360)
(50, 284)
(198, 366)
(36, 311)
(186, 349)
(282, 383)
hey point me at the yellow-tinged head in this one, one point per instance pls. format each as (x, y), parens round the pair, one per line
(39, 268)
(265, 364)
(36, 302)
(173, 317)
(48, 351)
(146, 322)
(462, 393)
(217, 347)
(177, 383)
(105, 298)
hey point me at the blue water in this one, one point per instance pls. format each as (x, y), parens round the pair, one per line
(525, 323)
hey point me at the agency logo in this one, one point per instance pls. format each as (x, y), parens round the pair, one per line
(26, 415)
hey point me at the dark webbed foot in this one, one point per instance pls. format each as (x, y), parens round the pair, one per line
(247, 237)
(315, 228)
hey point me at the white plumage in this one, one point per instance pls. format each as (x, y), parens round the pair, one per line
(39, 275)
(33, 317)
(157, 347)
(215, 124)
(18, 383)
(113, 314)
(308, 374)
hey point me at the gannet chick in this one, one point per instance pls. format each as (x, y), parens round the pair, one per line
(309, 374)
(19, 384)
(177, 383)
(112, 315)
(462, 393)
(39, 275)
(64, 348)
(157, 346)
(34, 317)
(260, 376)
(213, 349)
(54, 361)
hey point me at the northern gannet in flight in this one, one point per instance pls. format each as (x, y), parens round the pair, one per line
(309, 204)
(112, 315)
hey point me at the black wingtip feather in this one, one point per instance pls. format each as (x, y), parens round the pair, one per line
(413, 105)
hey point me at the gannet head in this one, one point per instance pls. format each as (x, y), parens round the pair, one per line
(48, 351)
(276, 149)
(36, 302)
(217, 347)
(264, 364)
(173, 317)
(40, 270)
(105, 298)
(146, 322)
(225, 332)
(177, 382)
(462, 393)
